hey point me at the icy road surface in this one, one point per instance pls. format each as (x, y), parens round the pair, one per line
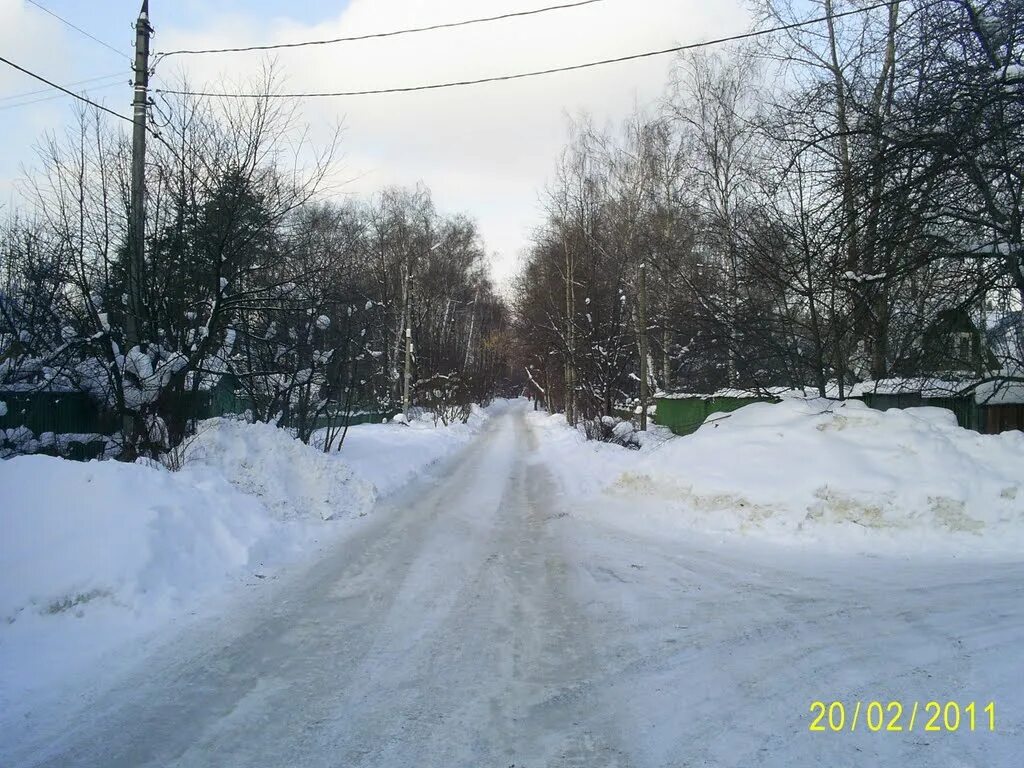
(482, 619)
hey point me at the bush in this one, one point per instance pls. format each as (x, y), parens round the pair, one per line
(609, 429)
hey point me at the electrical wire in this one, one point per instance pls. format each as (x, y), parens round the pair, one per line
(374, 35)
(61, 88)
(536, 73)
(53, 96)
(27, 94)
(78, 29)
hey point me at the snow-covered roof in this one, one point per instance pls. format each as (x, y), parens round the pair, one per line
(1000, 393)
(1004, 389)
(1007, 389)
(728, 392)
(926, 386)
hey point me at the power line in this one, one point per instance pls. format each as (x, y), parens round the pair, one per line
(53, 96)
(78, 29)
(536, 73)
(26, 94)
(375, 35)
(52, 84)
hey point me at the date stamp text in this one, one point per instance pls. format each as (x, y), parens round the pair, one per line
(898, 716)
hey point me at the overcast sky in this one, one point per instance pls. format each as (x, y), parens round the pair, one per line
(485, 150)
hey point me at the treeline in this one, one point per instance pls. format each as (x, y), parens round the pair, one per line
(253, 274)
(823, 208)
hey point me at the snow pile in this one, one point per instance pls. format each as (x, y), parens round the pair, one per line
(135, 535)
(832, 472)
(295, 480)
(94, 556)
(122, 533)
(292, 479)
(586, 467)
(98, 556)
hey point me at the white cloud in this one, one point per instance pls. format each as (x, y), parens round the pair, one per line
(22, 33)
(40, 43)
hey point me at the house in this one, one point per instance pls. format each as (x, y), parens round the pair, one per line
(952, 343)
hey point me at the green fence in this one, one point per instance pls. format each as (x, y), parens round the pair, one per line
(362, 417)
(75, 413)
(684, 415)
(71, 418)
(57, 412)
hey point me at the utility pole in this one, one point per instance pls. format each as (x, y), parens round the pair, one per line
(137, 225)
(570, 337)
(472, 322)
(642, 322)
(406, 392)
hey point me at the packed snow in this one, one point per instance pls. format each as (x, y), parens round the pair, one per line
(827, 473)
(96, 557)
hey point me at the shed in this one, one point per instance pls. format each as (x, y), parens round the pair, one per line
(952, 394)
(1002, 404)
(991, 407)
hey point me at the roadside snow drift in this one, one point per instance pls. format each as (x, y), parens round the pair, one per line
(832, 472)
(125, 534)
(290, 478)
(96, 555)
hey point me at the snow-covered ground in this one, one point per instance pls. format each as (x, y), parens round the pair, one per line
(493, 614)
(99, 558)
(813, 473)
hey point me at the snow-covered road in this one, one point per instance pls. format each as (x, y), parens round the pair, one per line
(481, 618)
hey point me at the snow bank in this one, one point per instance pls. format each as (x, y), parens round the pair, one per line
(819, 470)
(295, 480)
(586, 467)
(95, 555)
(98, 556)
(292, 479)
(135, 535)
(124, 533)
